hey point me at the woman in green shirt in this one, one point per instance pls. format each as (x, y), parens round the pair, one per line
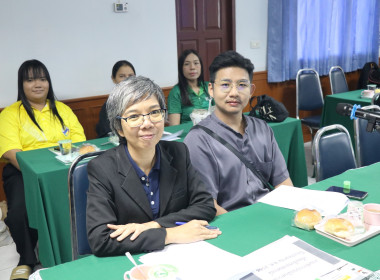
(191, 91)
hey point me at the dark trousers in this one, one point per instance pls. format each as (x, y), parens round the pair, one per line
(17, 219)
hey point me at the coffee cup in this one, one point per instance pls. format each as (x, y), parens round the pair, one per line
(372, 214)
(371, 87)
(65, 147)
(152, 272)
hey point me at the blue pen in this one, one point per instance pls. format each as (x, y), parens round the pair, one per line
(182, 223)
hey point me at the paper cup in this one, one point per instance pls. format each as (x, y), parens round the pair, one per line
(371, 87)
(372, 214)
(152, 272)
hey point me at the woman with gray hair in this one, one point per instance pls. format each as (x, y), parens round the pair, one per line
(140, 189)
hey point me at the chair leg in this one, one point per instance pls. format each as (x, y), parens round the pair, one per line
(312, 155)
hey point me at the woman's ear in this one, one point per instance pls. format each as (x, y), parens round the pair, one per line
(121, 133)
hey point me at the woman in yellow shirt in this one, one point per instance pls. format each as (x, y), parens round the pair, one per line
(35, 121)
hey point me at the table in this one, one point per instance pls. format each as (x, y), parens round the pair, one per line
(250, 228)
(330, 116)
(46, 188)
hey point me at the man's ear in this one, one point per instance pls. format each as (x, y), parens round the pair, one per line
(253, 89)
(211, 89)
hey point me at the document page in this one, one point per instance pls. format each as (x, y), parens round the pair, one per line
(290, 258)
(327, 203)
(199, 260)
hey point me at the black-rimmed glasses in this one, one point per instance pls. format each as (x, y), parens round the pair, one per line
(138, 119)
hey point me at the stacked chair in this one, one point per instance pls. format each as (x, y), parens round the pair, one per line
(338, 81)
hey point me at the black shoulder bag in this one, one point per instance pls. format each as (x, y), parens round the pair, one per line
(268, 109)
(239, 155)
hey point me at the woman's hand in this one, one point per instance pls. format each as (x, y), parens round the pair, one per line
(122, 231)
(192, 231)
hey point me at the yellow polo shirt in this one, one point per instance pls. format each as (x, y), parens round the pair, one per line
(17, 130)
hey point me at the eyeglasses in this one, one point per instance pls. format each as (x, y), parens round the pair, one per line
(241, 86)
(137, 120)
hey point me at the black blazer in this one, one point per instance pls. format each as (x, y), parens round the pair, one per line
(116, 196)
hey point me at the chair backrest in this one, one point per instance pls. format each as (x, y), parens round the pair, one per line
(309, 94)
(376, 99)
(366, 143)
(333, 152)
(364, 74)
(78, 186)
(338, 81)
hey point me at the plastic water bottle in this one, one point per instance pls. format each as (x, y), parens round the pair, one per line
(355, 215)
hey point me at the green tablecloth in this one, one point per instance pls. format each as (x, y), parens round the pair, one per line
(330, 116)
(251, 228)
(46, 188)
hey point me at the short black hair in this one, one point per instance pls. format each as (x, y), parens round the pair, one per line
(120, 63)
(230, 59)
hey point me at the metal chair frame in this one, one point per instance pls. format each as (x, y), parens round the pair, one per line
(331, 77)
(360, 161)
(73, 207)
(299, 73)
(316, 150)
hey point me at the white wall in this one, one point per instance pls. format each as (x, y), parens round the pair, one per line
(252, 26)
(79, 41)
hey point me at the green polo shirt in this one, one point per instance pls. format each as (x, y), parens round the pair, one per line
(200, 101)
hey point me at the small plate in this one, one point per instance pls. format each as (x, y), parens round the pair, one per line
(67, 159)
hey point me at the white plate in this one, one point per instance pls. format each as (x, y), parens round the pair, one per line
(352, 240)
(67, 159)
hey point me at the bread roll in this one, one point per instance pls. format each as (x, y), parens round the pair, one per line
(339, 227)
(307, 219)
(86, 149)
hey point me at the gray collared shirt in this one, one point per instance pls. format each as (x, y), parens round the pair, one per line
(228, 180)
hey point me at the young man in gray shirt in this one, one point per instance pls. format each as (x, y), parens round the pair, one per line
(229, 181)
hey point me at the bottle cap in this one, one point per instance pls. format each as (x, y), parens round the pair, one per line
(346, 186)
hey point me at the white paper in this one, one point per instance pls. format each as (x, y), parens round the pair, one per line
(199, 260)
(327, 203)
(167, 136)
(290, 258)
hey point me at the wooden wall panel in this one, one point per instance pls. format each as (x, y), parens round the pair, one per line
(87, 110)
